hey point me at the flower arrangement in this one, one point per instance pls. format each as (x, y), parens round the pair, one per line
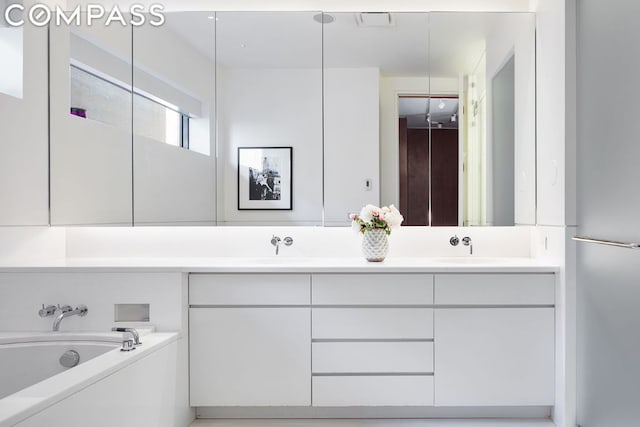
(372, 217)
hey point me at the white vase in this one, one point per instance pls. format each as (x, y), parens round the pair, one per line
(375, 245)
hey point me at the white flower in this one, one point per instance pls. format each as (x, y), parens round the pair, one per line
(393, 217)
(355, 227)
(367, 213)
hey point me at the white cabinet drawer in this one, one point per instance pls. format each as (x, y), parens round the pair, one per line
(495, 289)
(373, 391)
(372, 357)
(372, 289)
(372, 323)
(249, 289)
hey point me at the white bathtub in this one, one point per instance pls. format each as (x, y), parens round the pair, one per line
(35, 390)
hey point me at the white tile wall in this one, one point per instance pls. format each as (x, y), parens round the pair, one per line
(22, 294)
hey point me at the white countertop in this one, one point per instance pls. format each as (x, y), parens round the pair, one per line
(283, 264)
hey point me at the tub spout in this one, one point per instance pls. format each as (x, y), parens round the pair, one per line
(66, 311)
(134, 333)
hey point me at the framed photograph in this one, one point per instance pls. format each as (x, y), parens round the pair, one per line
(264, 178)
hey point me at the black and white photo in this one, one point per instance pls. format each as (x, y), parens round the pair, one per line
(264, 178)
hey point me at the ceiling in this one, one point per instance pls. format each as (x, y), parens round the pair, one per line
(295, 40)
(415, 110)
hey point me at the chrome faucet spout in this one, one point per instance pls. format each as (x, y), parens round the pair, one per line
(66, 311)
(134, 333)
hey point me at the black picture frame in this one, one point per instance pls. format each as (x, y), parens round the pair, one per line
(265, 178)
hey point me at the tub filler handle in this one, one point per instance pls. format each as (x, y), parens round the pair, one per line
(128, 344)
(47, 311)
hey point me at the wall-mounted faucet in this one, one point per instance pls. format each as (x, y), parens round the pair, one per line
(454, 241)
(67, 311)
(275, 241)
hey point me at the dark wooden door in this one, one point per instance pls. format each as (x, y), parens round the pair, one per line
(417, 177)
(444, 177)
(414, 175)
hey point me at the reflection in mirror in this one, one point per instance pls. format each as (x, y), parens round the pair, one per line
(428, 159)
(269, 95)
(90, 126)
(173, 120)
(369, 59)
(11, 52)
(490, 60)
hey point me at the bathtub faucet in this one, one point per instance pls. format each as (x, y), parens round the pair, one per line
(132, 331)
(127, 343)
(67, 311)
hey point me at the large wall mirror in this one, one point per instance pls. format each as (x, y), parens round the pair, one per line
(269, 103)
(90, 124)
(174, 120)
(480, 118)
(295, 118)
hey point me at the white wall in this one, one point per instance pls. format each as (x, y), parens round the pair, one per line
(24, 139)
(351, 142)
(271, 108)
(22, 294)
(155, 244)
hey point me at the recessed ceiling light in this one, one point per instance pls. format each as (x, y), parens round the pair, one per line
(211, 17)
(323, 18)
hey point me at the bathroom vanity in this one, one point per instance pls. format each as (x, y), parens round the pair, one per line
(420, 339)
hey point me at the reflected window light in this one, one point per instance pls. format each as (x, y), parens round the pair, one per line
(11, 52)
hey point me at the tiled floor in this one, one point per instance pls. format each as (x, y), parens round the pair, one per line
(372, 423)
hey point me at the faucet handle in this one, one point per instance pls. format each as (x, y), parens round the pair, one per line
(467, 242)
(132, 331)
(275, 240)
(64, 308)
(288, 241)
(127, 345)
(47, 311)
(454, 240)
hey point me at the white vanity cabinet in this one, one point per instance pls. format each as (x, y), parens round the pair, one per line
(372, 339)
(494, 339)
(250, 340)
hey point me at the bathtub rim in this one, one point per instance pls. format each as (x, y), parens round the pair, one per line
(37, 397)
